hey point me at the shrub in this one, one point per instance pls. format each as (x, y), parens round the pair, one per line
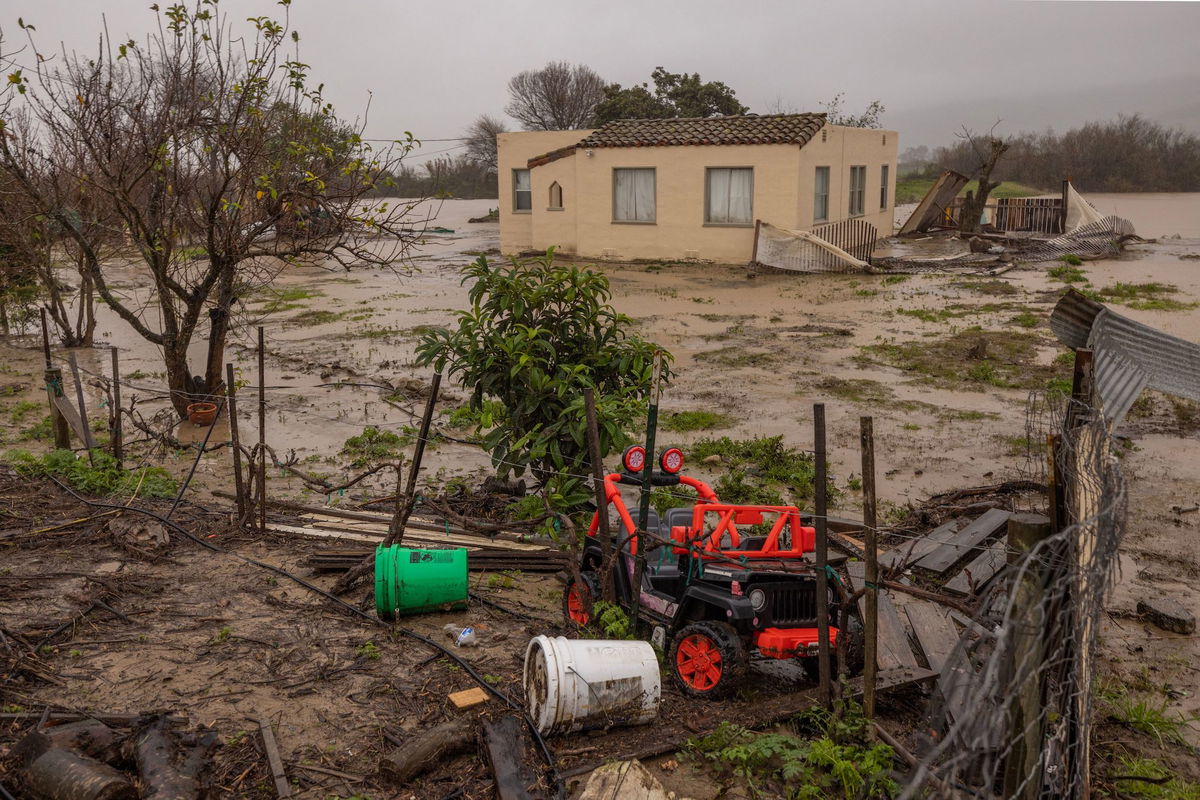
(102, 477)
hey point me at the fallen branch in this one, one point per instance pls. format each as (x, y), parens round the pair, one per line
(425, 750)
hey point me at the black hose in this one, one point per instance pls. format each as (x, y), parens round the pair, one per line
(541, 743)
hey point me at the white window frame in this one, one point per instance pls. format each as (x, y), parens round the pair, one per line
(653, 212)
(708, 220)
(883, 187)
(820, 211)
(858, 190)
(528, 193)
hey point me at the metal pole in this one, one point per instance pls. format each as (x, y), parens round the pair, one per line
(593, 441)
(114, 426)
(824, 665)
(639, 560)
(53, 380)
(231, 394)
(871, 623)
(262, 432)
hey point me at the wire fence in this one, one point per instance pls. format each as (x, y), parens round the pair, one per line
(1011, 716)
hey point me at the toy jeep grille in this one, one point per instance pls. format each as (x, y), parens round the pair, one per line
(791, 604)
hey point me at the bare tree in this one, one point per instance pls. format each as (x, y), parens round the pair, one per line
(481, 140)
(988, 151)
(871, 117)
(559, 96)
(217, 160)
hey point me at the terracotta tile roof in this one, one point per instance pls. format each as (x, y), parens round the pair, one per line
(747, 129)
(553, 155)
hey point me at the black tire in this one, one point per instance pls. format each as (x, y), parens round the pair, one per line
(575, 616)
(708, 659)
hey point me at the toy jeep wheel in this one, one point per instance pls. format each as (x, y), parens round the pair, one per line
(709, 659)
(578, 597)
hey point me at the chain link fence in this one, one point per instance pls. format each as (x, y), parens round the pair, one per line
(1011, 715)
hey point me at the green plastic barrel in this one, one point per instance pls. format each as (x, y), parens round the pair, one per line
(409, 581)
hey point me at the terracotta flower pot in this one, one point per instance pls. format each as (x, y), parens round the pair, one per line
(202, 413)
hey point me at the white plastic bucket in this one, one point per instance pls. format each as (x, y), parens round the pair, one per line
(576, 684)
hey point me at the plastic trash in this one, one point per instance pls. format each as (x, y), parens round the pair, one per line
(463, 637)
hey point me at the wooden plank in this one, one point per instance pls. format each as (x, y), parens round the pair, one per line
(935, 633)
(894, 650)
(506, 742)
(965, 541)
(981, 570)
(282, 787)
(469, 698)
(72, 416)
(911, 551)
(463, 540)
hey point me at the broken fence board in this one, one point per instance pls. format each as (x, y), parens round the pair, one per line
(274, 760)
(934, 631)
(72, 416)
(964, 543)
(507, 743)
(900, 557)
(893, 650)
(980, 571)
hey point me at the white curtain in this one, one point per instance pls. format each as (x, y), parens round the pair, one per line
(741, 192)
(730, 195)
(633, 195)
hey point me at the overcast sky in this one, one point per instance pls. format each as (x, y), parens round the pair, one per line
(431, 67)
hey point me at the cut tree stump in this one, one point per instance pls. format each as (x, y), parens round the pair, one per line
(170, 766)
(426, 749)
(623, 780)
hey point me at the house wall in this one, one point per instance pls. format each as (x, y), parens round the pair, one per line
(514, 151)
(784, 186)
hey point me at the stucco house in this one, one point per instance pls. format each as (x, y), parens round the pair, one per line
(689, 188)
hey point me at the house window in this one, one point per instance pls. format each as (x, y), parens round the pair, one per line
(821, 198)
(883, 186)
(858, 190)
(522, 191)
(730, 195)
(633, 195)
(555, 196)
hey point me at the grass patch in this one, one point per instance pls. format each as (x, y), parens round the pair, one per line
(322, 317)
(992, 286)
(1066, 273)
(1160, 784)
(740, 357)
(687, 421)
(763, 463)
(17, 414)
(286, 299)
(855, 390)
(958, 310)
(1148, 716)
(1150, 296)
(102, 477)
(911, 190)
(1026, 319)
(374, 445)
(971, 358)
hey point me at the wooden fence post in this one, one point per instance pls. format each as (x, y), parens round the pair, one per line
(85, 427)
(262, 433)
(1022, 780)
(871, 581)
(114, 427)
(820, 502)
(54, 389)
(231, 394)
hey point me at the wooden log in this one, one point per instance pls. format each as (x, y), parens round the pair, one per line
(426, 749)
(507, 743)
(964, 543)
(166, 774)
(63, 775)
(89, 737)
(623, 780)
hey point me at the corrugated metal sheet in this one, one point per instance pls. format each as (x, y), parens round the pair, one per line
(1128, 355)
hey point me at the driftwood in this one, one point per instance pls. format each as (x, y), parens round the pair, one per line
(426, 749)
(170, 771)
(89, 737)
(506, 747)
(53, 773)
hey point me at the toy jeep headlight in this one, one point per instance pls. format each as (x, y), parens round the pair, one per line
(758, 599)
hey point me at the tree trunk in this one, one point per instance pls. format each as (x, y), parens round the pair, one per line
(179, 377)
(219, 320)
(975, 204)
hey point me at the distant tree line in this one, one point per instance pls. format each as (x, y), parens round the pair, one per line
(1129, 154)
(460, 176)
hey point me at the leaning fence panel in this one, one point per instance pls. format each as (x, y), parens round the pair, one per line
(1011, 716)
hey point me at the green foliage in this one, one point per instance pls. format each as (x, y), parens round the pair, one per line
(734, 487)
(1151, 296)
(1147, 716)
(1068, 272)
(674, 95)
(1071, 259)
(611, 620)
(687, 421)
(41, 431)
(102, 477)
(467, 417)
(369, 650)
(761, 467)
(1160, 784)
(374, 445)
(837, 762)
(535, 336)
(17, 413)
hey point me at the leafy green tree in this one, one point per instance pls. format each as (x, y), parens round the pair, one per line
(536, 335)
(674, 95)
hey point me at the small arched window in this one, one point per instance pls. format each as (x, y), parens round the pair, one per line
(555, 195)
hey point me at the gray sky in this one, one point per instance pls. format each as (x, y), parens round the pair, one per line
(432, 67)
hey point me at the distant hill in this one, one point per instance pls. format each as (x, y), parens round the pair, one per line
(1172, 103)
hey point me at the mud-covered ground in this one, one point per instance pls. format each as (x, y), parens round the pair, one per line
(760, 348)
